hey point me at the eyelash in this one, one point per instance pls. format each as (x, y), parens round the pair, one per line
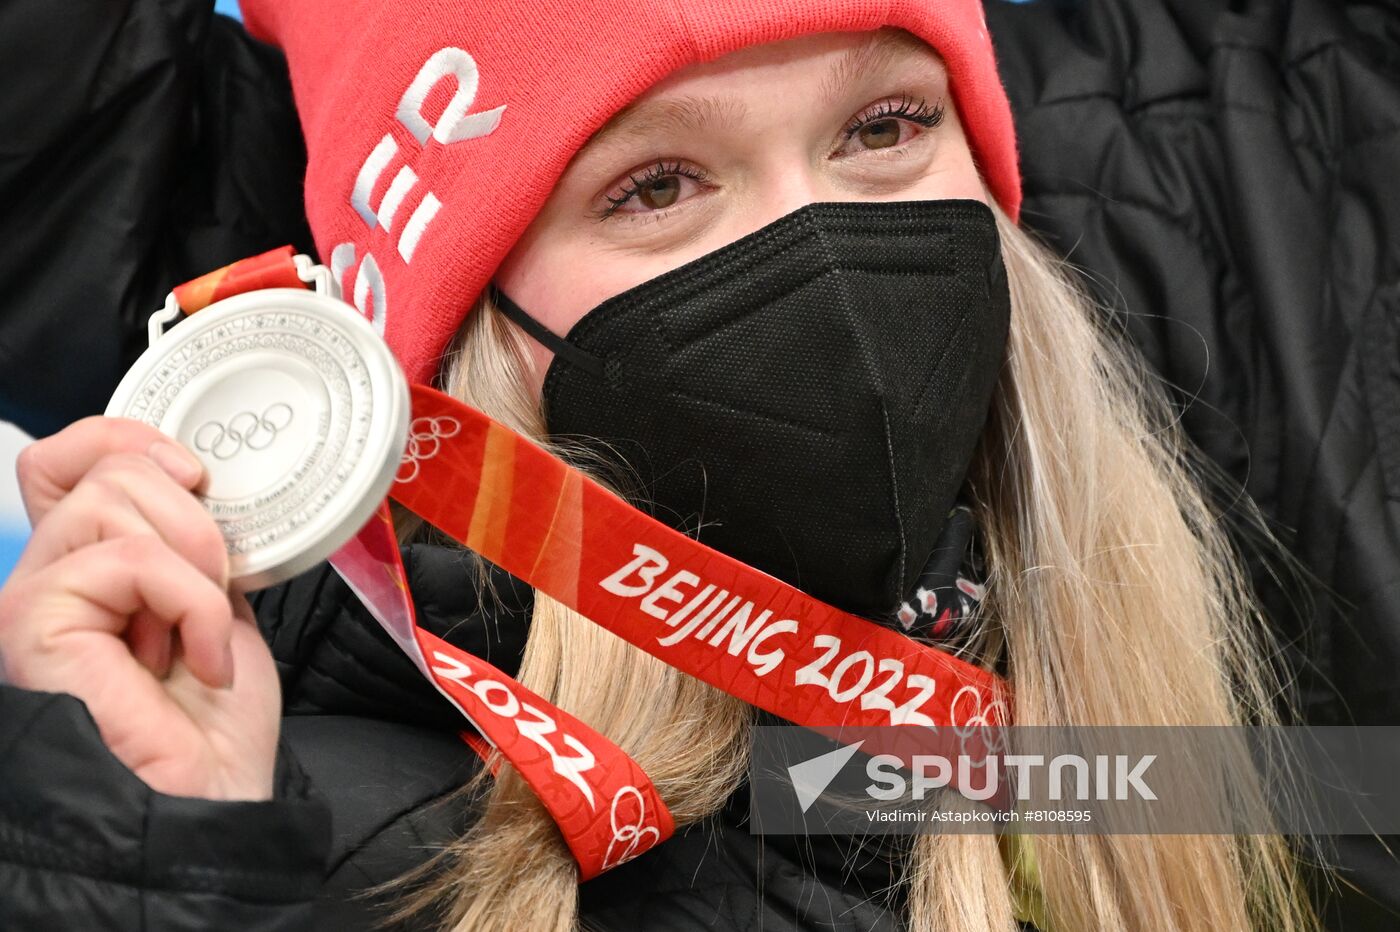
(905, 109)
(654, 173)
(921, 114)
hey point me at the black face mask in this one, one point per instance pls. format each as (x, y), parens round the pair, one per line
(807, 398)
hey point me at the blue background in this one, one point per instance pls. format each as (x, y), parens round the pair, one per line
(11, 544)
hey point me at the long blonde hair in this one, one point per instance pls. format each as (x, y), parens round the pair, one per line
(1113, 598)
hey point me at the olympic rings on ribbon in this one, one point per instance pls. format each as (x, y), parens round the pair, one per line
(425, 436)
(631, 834)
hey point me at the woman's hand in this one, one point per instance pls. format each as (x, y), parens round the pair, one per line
(120, 598)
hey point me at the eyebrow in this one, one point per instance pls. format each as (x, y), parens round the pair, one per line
(880, 51)
(693, 114)
(674, 115)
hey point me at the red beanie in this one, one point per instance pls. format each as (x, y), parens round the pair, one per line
(436, 129)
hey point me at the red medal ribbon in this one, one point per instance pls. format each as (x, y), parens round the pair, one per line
(272, 269)
(605, 806)
(705, 613)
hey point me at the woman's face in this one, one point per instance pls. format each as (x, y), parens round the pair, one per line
(721, 149)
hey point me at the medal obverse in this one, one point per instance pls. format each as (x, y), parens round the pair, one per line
(298, 411)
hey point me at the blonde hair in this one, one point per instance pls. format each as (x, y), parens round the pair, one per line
(1113, 598)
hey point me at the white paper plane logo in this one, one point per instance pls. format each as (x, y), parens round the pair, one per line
(811, 777)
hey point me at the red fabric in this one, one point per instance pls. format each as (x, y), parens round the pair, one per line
(606, 807)
(272, 269)
(560, 70)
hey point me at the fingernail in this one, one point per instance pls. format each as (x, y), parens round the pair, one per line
(179, 464)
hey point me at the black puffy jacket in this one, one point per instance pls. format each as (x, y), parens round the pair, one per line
(1225, 171)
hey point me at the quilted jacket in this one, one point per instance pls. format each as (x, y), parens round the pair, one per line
(1225, 173)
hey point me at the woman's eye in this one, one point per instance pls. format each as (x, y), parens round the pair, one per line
(889, 125)
(661, 193)
(880, 135)
(884, 133)
(658, 188)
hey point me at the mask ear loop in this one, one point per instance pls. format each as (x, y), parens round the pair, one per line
(547, 338)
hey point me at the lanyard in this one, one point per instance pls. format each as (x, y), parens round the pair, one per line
(757, 638)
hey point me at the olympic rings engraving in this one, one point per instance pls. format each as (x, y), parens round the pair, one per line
(425, 436)
(245, 430)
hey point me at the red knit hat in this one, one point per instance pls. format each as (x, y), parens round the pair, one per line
(436, 129)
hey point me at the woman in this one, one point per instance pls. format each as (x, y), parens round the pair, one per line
(1102, 559)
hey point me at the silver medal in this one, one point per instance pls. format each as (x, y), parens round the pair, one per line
(297, 409)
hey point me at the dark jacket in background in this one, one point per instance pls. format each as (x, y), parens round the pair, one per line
(1228, 173)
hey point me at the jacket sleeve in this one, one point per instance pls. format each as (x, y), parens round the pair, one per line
(142, 143)
(85, 844)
